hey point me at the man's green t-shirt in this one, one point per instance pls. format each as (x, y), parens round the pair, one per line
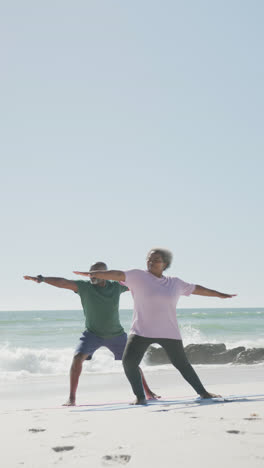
(101, 307)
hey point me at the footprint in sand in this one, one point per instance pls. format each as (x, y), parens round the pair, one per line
(113, 459)
(76, 434)
(234, 431)
(252, 419)
(36, 429)
(64, 448)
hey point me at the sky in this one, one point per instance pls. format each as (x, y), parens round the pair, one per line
(126, 126)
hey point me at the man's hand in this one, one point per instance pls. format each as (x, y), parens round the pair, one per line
(54, 281)
(33, 278)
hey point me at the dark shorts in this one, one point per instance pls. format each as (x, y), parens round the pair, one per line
(89, 343)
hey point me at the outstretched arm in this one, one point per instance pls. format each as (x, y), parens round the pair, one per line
(114, 275)
(201, 291)
(54, 281)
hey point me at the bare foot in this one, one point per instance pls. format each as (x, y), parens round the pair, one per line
(69, 402)
(139, 401)
(208, 395)
(152, 396)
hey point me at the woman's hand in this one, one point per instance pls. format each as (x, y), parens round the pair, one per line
(112, 275)
(226, 296)
(202, 291)
(83, 273)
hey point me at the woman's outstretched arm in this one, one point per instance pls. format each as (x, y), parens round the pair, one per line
(114, 275)
(202, 291)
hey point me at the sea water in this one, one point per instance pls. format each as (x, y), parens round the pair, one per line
(34, 343)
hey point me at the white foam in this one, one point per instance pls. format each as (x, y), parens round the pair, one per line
(247, 343)
(192, 335)
(22, 363)
(29, 362)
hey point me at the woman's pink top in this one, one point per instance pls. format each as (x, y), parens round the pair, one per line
(155, 301)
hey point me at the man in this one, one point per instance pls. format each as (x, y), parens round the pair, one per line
(100, 302)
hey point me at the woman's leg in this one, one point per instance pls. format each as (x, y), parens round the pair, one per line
(117, 345)
(133, 354)
(177, 356)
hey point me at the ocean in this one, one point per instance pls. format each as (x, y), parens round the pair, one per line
(35, 343)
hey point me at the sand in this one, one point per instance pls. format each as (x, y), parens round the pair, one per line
(36, 431)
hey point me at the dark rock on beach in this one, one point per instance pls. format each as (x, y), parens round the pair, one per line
(227, 356)
(209, 353)
(156, 356)
(203, 353)
(250, 356)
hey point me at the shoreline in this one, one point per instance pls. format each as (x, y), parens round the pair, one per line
(167, 382)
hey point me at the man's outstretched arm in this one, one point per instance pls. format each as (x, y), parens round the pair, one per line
(201, 291)
(114, 275)
(54, 281)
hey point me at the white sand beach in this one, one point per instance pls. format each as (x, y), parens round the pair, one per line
(36, 431)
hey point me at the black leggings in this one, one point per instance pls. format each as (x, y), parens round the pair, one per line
(135, 350)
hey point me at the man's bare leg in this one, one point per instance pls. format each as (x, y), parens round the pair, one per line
(75, 372)
(149, 394)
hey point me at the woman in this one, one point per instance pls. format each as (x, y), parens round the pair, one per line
(154, 320)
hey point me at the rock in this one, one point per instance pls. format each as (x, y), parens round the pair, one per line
(156, 356)
(250, 356)
(227, 356)
(203, 353)
(207, 353)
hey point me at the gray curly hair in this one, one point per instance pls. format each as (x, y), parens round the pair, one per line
(165, 254)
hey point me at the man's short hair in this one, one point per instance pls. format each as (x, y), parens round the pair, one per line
(99, 266)
(165, 254)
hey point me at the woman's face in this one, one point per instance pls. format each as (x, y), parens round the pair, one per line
(155, 263)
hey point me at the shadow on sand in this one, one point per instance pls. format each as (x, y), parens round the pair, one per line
(170, 404)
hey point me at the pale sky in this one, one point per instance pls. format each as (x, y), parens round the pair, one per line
(127, 125)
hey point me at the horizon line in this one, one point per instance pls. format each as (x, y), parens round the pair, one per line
(81, 310)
